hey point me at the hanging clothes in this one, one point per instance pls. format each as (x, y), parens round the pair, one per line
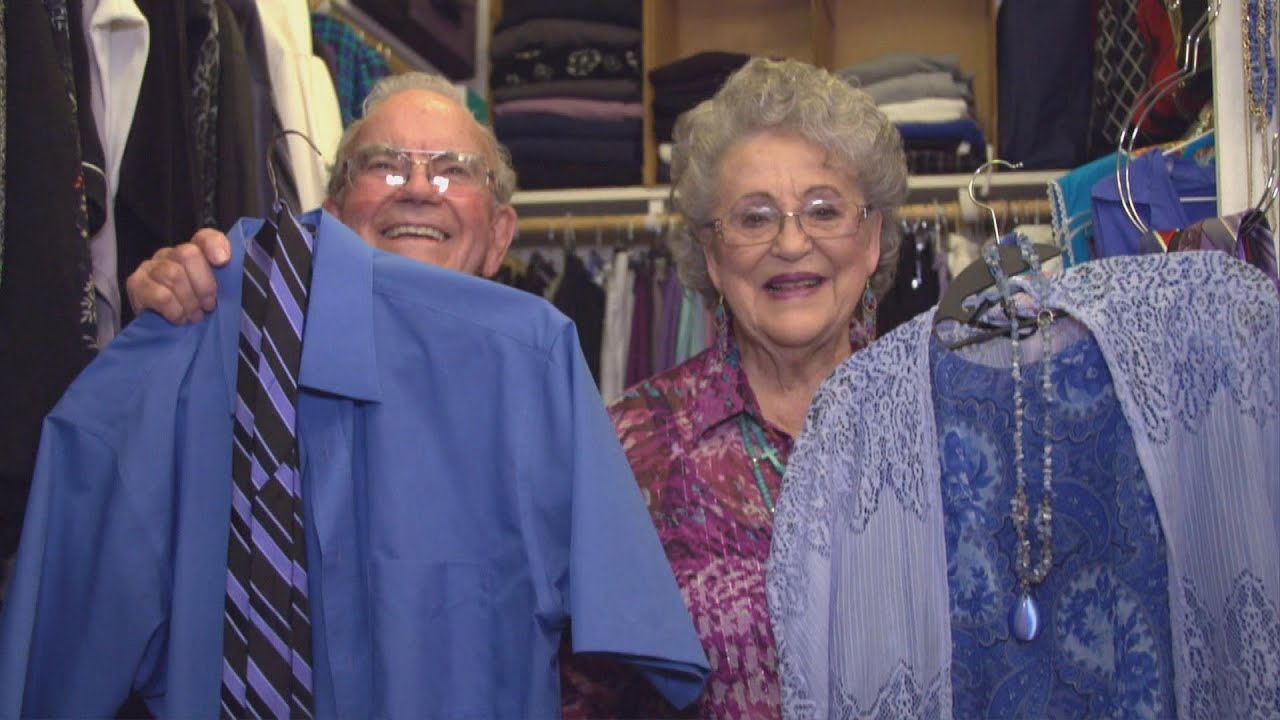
(119, 40)
(1245, 236)
(357, 66)
(261, 117)
(304, 94)
(619, 303)
(915, 284)
(47, 326)
(1158, 183)
(861, 542)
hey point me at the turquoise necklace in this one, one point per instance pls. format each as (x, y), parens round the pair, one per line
(760, 449)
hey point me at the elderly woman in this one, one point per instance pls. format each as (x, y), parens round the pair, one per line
(787, 181)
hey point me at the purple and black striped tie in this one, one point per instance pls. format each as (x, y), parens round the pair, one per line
(266, 668)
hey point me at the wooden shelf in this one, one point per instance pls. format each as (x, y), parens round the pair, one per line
(829, 33)
(652, 200)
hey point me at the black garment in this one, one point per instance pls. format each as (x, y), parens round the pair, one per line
(548, 124)
(574, 150)
(91, 154)
(549, 175)
(915, 286)
(241, 156)
(44, 338)
(582, 301)
(618, 12)
(711, 66)
(539, 64)
(266, 122)
(158, 200)
(1044, 58)
(620, 89)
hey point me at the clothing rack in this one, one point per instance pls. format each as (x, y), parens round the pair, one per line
(642, 226)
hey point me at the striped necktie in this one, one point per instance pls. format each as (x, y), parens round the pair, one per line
(267, 631)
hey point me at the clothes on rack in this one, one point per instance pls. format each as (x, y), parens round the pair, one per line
(894, 495)
(132, 124)
(1168, 191)
(356, 65)
(634, 317)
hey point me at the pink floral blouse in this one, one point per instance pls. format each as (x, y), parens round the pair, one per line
(683, 436)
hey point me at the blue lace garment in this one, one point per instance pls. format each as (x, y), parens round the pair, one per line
(1104, 650)
(858, 571)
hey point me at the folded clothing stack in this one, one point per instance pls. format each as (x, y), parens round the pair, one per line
(566, 91)
(929, 98)
(679, 86)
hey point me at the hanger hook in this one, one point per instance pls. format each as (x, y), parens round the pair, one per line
(271, 173)
(995, 223)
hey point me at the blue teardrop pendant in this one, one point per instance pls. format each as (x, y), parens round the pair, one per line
(1024, 619)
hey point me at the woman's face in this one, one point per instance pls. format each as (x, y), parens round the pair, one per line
(795, 292)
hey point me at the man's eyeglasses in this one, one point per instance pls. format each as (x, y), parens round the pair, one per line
(446, 169)
(757, 223)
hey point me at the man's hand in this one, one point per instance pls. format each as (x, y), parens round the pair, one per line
(177, 281)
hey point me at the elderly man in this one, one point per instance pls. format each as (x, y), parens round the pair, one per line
(459, 218)
(463, 497)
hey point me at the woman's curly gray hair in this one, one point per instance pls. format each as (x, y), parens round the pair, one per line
(796, 98)
(504, 177)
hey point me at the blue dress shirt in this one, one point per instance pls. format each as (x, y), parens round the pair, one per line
(466, 498)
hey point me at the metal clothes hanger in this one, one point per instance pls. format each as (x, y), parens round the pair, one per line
(958, 304)
(279, 201)
(1143, 104)
(1269, 191)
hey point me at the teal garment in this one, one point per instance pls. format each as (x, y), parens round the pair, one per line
(466, 499)
(691, 338)
(357, 66)
(1072, 203)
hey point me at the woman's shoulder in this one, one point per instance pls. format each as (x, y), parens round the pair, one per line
(666, 397)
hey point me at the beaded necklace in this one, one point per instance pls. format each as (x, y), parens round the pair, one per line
(1260, 58)
(1024, 616)
(760, 449)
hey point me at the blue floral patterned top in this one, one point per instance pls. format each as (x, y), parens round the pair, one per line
(1104, 649)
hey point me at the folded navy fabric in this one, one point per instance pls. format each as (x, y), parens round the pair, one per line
(605, 89)
(618, 12)
(698, 67)
(557, 32)
(549, 175)
(543, 124)
(574, 150)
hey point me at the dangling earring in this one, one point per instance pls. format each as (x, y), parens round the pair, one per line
(869, 304)
(722, 318)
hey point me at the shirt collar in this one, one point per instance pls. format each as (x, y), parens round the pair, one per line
(339, 354)
(338, 351)
(726, 391)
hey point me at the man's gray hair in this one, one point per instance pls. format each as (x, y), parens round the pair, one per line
(504, 177)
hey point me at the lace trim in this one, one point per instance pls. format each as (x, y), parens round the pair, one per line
(900, 697)
(1181, 329)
